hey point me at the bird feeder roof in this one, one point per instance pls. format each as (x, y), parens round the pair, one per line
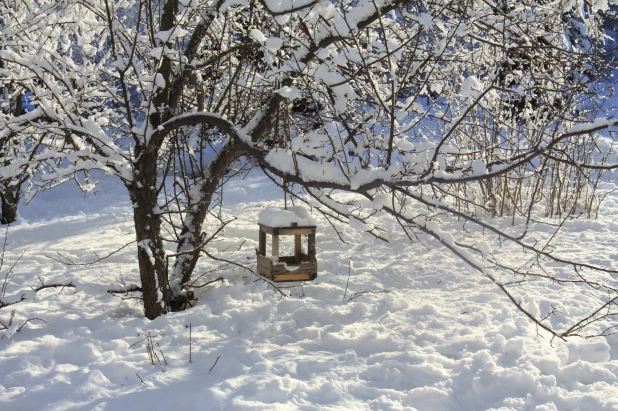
(292, 217)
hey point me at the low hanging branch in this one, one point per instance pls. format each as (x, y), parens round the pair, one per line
(67, 261)
(11, 328)
(29, 294)
(400, 187)
(245, 268)
(400, 108)
(603, 313)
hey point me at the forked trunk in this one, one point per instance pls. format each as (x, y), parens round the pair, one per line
(150, 252)
(191, 237)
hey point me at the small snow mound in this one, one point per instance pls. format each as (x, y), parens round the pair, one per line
(381, 200)
(20, 296)
(429, 398)
(359, 226)
(484, 248)
(587, 373)
(478, 168)
(514, 347)
(589, 350)
(89, 288)
(470, 87)
(272, 217)
(546, 407)
(258, 35)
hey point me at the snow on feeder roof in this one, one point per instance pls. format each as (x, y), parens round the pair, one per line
(273, 217)
(298, 267)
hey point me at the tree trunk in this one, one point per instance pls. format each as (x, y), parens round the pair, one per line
(191, 238)
(150, 251)
(143, 192)
(10, 198)
(10, 191)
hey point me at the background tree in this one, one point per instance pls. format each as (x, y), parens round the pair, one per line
(13, 103)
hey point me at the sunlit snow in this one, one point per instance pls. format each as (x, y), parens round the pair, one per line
(416, 330)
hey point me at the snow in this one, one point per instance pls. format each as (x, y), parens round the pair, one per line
(470, 87)
(272, 217)
(594, 125)
(289, 92)
(478, 168)
(308, 169)
(484, 248)
(273, 44)
(169, 35)
(258, 35)
(417, 330)
(359, 226)
(159, 80)
(426, 20)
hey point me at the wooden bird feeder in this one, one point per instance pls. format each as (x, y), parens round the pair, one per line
(298, 267)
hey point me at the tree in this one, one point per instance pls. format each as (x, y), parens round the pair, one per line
(471, 108)
(11, 189)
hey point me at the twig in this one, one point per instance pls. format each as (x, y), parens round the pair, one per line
(157, 357)
(350, 269)
(161, 351)
(358, 294)
(246, 268)
(43, 286)
(140, 378)
(208, 282)
(132, 345)
(28, 320)
(5, 325)
(6, 276)
(71, 262)
(213, 366)
(6, 237)
(145, 338)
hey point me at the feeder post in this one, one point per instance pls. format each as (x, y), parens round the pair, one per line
(275, 249)
(311, 247)
(297, 248)
(262, 244)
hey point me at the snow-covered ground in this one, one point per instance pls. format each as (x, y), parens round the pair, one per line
(417, 329)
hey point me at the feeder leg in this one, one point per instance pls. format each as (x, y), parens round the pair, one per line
(297, 249)
(262, 244)
(311, 248)
(275, 250)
